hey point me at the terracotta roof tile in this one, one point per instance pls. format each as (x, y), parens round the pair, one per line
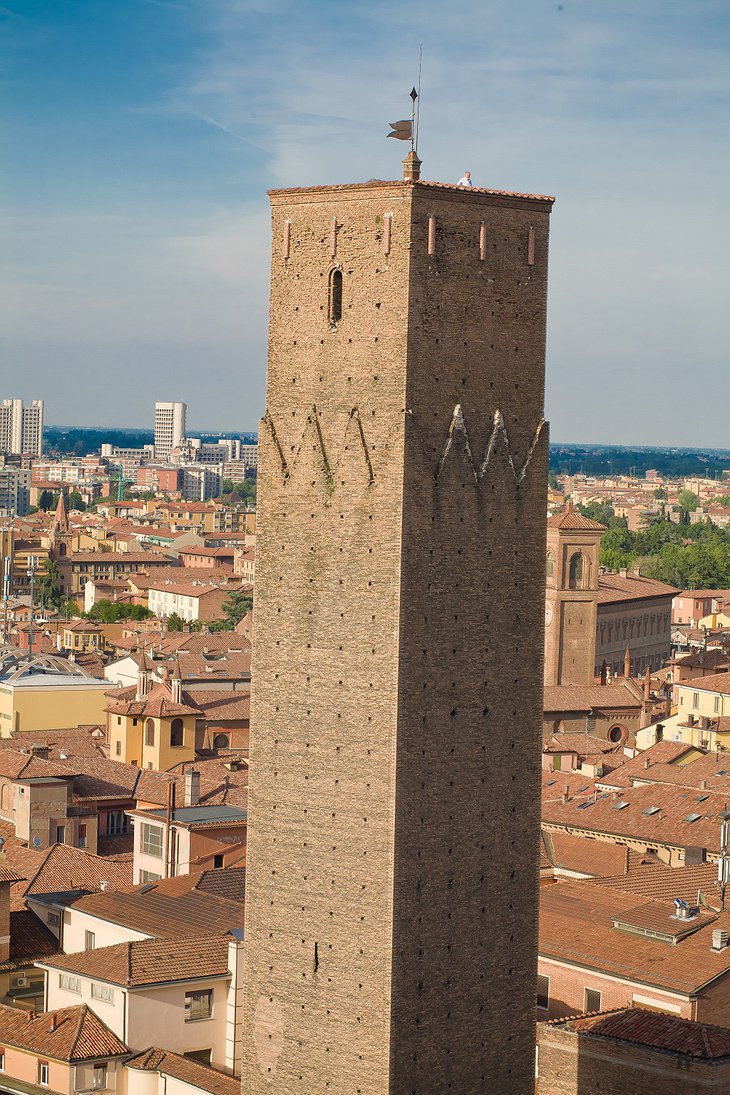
(68, 1034)
(576, 697)
(576, 927)
(67, 869)
(80, 741)
(219, 705)
(717, 682)
(574, 520)
(614, 588)
(158, 703)
(656, 880)
(174, 906)
(654, 814)
(30, 940)
(189, 1071)
(650, 1028)
(150, 961)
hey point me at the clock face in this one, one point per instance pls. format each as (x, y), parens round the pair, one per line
(548, 614)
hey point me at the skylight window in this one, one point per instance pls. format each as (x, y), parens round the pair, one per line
(621, 805)
(693, 817)
(650, 810)
(702, 798)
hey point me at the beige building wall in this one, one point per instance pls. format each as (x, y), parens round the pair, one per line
(398, 624)
(49, 706)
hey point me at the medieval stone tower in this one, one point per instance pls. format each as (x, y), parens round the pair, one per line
(391, 902)
(571, 597)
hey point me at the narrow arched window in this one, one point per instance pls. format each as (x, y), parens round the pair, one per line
(176, 732)
(335, 296)
(550, 564)
(4, 798)
(575, 571)
(149, 731)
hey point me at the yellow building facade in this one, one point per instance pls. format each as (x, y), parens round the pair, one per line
(150, 728)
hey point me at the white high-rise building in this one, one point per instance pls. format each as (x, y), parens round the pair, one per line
(169, 429)
(21, 428)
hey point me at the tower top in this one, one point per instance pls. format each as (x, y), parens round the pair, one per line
(60, 520)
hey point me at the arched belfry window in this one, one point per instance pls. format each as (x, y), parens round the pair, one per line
(335, 296)
(149, 728)
(576, 571)
(549, 564)
(176, 732)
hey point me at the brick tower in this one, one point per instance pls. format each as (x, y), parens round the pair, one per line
(391, 902)
(571, 597)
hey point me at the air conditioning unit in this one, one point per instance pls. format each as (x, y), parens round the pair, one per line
(21, 982)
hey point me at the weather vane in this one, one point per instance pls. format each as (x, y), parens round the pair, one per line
(407, 129)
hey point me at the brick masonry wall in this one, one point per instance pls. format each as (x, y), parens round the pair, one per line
(393, 825)
(568, 985)
(569, 1064)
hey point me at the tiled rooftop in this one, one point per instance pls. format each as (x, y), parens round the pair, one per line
(150, 961)
(651, 813)
(655, 1029)
(68, 1034)
(190, 1072)
(67, 869)
(30, 940)
(575, 697)
(182, 906)
(576, 926)
(613, 588)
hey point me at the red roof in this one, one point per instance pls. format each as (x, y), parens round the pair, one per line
(656, 1029)
(67, 1034)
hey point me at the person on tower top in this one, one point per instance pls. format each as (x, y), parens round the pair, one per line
(466, 180)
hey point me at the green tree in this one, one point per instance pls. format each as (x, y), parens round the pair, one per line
(234, 609)
(48, 585)
(75, 501)
(111, 612)
(175, 622)
(227, 486)
(660, 493)
(598, 511)
(46, 500)
(687, 501)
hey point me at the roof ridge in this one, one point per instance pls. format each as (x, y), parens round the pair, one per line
(79, 1027)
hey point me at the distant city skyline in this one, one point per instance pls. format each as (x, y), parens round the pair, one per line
(141, 139)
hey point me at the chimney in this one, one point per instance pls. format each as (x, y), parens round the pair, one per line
(604, 673)
(192, 788)
(52, 1017)
(720, 939)
(627, 661)
(176, 689)
(104, 885)
(42, 751)
(647, 763)
(143, 683)
(411, 167)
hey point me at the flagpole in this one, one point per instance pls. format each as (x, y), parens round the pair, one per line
(418, 100)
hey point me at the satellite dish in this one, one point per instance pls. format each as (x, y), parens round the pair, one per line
(2, 842)
(37, 842)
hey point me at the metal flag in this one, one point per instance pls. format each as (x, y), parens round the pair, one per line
(402, 131)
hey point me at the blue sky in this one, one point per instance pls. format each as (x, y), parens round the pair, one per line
(139, 138)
